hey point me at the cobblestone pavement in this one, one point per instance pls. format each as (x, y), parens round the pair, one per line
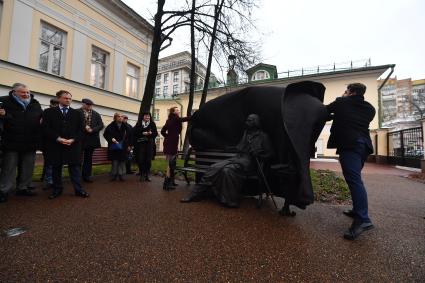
(136, 232)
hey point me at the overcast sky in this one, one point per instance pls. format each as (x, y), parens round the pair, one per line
(305, 33)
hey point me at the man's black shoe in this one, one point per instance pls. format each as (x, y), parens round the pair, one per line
(26, 193)
(82, 194)
(88, 179)
(3, 197)
(55, 194)
(349, 213)
(356, 229)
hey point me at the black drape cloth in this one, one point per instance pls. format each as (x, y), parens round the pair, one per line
(292, 117)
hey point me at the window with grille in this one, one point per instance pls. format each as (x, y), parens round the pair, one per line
(52, 44)
(132, 81)
(176, 77)
(98, 67)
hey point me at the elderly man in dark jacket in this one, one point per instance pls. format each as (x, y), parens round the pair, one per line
(351, 116)
(21, 117)
(92, 126)
(63, 132)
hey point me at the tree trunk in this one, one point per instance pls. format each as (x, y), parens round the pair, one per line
(153, 63)
(217, 12)
(193, 60)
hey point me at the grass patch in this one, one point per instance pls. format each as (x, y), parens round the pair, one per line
(328, 187)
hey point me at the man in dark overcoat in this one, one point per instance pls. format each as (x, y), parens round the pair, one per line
(20, 114)
(351, 116)
(92, 126)
(63, 132)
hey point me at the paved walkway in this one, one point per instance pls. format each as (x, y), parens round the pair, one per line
(136, 232)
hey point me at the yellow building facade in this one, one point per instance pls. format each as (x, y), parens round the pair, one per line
(97, 49)
(335, 82)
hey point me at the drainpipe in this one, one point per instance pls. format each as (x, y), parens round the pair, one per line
(380, 96)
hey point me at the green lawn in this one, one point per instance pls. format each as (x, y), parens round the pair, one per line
(327, 186)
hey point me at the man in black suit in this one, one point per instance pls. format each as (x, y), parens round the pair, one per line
(63, 131)
(92, 126)
(351, 116)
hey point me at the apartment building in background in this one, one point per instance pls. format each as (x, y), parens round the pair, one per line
(97, 49)
(173, 76)
(403, 103)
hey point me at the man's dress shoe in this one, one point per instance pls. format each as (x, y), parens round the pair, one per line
(55, 194)
(3, 197)
(357, 228)
(349, 213)
(82, 194)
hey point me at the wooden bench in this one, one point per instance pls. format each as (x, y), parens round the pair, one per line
(199, 161)
(100, 156)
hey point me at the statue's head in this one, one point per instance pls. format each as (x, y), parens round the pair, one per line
(252, 122)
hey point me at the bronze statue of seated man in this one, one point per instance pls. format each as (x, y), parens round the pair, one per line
(225, 179)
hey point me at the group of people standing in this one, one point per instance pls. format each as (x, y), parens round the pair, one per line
(69, 136)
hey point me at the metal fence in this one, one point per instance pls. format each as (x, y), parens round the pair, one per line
(405, 147)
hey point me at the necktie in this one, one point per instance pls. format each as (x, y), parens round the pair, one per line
(64, 111)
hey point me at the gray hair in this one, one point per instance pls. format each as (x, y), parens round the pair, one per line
(18, 85)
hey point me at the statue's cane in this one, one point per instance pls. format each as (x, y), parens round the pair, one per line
(260, 170)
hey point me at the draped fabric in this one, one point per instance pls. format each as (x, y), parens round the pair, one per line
(292, 118)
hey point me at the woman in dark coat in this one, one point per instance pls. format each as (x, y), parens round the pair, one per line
(144, 134)
(117, 133)
(171, 132)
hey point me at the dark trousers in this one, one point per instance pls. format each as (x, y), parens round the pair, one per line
(74, 174)
(352, 161)
(144, 158)
(87, 162)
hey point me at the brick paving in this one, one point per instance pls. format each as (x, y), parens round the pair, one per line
(136, 232)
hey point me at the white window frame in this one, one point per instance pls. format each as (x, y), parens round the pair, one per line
(165, 78)
(176, 76)
(175, 89)
(165, 91)
(105, 65)
(156, 114)
(266, 77)
(133, 80)
(158, 79)
(51, 49)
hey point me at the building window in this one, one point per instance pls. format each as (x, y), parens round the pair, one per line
(158, 80)
(52, 43)
(165, 78)
(175, 88)
(157, 91)
(165, 91)
(98, 67)
(132, 80)
(158, 142)
(261, 75)
(156, 114)
(176, 77)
